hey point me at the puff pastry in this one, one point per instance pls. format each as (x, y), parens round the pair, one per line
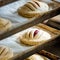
(5, 25)
(5, 53)
(33, 9)
(37, 57)
(34, 37)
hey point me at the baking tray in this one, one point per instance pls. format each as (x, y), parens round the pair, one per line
(31, 23)
(47, 54)
(12, 42)
(19, 21)
(51, 46)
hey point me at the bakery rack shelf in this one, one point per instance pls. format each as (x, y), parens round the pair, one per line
(39, 19)
(4, 2)
(36, 21)
(38, 48)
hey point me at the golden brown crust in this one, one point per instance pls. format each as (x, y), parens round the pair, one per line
(28, 37)
(32, 9)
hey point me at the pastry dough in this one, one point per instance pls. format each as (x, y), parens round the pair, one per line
(37, 57)
(5, 53)
(33, 9)
(5, 25)
(34, 37)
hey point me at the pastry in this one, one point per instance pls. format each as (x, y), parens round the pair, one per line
(5, 25)
(5, 53)
(34, 37)
(32, 9)
(37, 57)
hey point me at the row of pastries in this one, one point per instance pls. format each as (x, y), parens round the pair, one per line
(7, 53)
(29, 10)
(31, 37)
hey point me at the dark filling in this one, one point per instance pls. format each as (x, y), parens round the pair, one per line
(36, 32)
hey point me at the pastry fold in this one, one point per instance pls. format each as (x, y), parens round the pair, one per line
(5, 53)
(34, 37)
(32, 9)
(5, 25)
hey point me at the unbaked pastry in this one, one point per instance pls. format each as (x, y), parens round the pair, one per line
(5, 53)
(34, 37)
(37, 57)
(33, 9)
(5, 25)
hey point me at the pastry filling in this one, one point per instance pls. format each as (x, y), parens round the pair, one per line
(36, 32)
(34, 35)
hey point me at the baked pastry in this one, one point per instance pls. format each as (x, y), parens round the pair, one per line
(33, 9)
(34, 37)
(5, 53)
(5, 25)
(37, 57)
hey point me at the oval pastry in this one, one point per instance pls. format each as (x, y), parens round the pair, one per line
(34, 37)
(33, 8)
(5, 53)
(37, 57)
(5, 25)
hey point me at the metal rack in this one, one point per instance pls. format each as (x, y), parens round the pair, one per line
(4, 2)
(38, 20)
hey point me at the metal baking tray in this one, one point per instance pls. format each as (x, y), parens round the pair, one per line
(20, 48)
(53, 43)
(23, 21)
(52, 46)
